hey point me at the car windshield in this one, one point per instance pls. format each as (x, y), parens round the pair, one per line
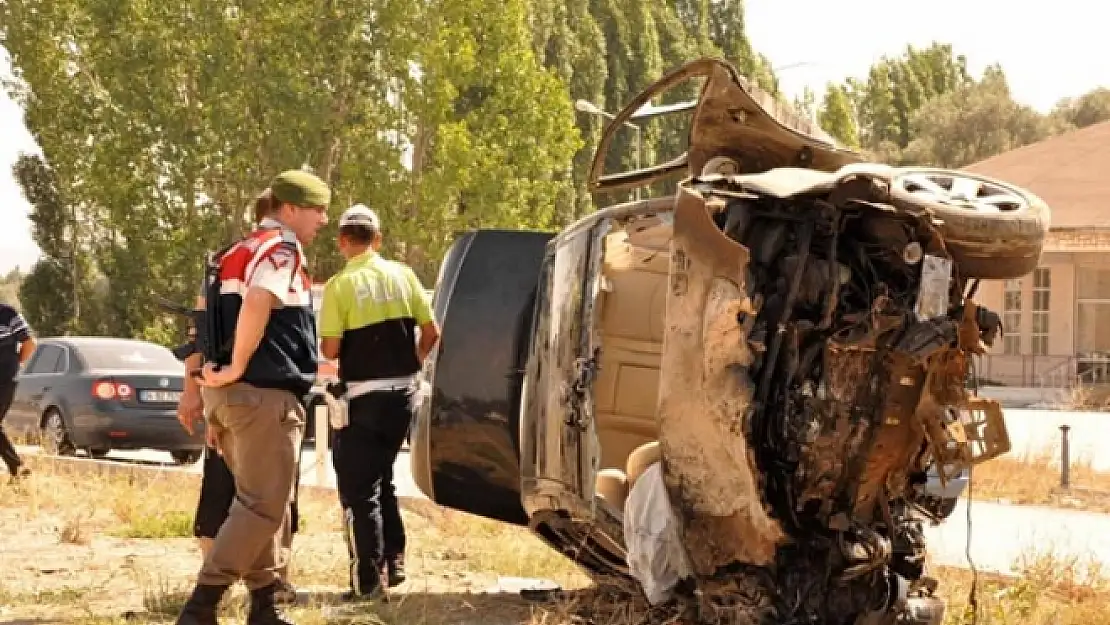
(129, 356)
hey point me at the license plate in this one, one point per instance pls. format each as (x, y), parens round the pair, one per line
(165, 397)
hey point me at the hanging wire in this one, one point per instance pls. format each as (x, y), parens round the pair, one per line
(973, 592)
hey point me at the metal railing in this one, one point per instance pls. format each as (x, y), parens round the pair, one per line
(1059, 372)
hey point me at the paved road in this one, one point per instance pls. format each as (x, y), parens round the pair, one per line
(1003, 535)
(402, 475)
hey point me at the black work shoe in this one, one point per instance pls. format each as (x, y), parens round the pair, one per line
(286, 593)
(378, 594)
(263, 610)
(395, 571)
(200, 609)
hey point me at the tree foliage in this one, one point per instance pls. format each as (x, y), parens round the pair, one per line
(51, 292)
(924, 107)
(159, 122)
(975, 122)
(9, 288)
(1086, 110)
(607, 51)
(896, 88)
(837, 117)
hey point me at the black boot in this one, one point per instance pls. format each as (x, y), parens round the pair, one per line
(263, 609)
(395, 570)
(200, 609)
(286, 593)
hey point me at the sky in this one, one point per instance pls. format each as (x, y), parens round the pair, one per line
(1049, 51)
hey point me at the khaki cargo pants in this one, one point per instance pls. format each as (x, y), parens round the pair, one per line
(259, 431)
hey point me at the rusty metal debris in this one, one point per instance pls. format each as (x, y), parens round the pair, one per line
(815, 368)
(818, 344)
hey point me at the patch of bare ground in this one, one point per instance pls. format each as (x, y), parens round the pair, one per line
(103, 549)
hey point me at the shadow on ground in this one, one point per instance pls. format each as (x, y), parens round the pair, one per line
(411, 607)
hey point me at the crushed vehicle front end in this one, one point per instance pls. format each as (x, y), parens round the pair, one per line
(814, 345)
(818, 335)
(748, 396)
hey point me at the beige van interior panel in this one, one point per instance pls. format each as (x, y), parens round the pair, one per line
(633, 306)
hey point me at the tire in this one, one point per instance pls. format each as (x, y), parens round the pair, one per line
(185, 457)
(991, 245)
(98, 453)
(54, 437)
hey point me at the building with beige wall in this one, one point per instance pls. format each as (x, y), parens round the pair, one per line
(1056, 320)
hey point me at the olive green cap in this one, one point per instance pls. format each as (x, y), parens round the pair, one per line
(300, 188)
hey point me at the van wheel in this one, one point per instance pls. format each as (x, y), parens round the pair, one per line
(55, 438)
(992, 229)
(98, 452)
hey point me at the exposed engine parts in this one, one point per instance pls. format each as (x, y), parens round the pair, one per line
(848, 364)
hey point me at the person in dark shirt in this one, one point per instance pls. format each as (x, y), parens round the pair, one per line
(16, 346)
(217, 486)
(260, 353)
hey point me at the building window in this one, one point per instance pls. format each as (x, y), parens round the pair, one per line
(1011, 318)
(1092, 332)
(1042, 286)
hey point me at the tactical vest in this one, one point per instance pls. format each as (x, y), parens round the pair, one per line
(287, 356)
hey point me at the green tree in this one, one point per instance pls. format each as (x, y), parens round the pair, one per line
(896, 88)
(1087, 110)
(494, 131)
(975, 122)
(837, 117)
(806, 104)
(50, 293)
(161, 121)
(9, 288)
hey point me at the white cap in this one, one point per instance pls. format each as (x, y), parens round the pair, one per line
(360, 215)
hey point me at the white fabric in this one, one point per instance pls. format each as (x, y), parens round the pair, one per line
(275, 274)
(339, 407)
(360, 215)
(656, 557)
(338, 416)
(355, 389)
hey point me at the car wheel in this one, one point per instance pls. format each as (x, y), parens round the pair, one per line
(98, 453)
(993, 230)
(55, 437)
(185, 457)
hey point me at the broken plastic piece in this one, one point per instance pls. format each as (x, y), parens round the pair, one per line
(932, 298)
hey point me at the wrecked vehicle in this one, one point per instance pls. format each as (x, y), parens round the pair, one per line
(785, 344)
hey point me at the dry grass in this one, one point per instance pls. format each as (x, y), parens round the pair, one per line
(1088, 397)
(105, 548)
(76, 562)
(1035, 480)
(1047, 591)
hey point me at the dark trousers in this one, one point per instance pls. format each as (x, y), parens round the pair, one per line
(217, 491)
(7, 450)
(363, 455)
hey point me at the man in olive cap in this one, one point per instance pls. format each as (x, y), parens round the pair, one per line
(260, 351)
